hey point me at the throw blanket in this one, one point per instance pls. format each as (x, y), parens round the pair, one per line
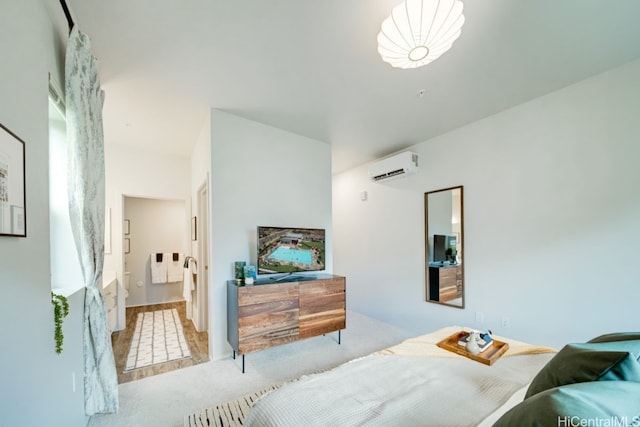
(399, 390)
(426, 345)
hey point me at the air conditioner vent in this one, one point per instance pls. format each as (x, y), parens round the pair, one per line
(394, 167)
(389, 174)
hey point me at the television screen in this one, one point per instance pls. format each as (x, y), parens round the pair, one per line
(444, 248)
(289, 250)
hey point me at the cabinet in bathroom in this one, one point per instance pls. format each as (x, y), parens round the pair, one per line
(111, 299)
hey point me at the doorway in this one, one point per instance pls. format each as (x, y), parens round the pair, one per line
(201, 298)
(153, 226)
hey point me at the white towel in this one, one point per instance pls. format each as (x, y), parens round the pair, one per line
(188, 279)
(174, 268)
(158, 269)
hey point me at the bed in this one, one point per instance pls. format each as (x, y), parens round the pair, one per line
(414, 383)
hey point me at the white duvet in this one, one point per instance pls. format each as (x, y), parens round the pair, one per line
(395, 389)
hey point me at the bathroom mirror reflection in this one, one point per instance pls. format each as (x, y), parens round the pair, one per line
(444, 231)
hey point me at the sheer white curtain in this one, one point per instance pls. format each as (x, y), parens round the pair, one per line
(84, 99)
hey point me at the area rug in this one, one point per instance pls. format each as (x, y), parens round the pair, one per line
(233, 412)
(158, 338)
(228, 414)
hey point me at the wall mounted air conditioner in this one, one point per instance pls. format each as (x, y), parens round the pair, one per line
(396, 166)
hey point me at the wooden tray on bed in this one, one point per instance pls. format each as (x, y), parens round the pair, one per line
(488, 356)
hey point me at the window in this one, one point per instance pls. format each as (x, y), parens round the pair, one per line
(66, 273)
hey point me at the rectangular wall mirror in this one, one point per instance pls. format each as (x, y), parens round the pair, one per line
(444, 238)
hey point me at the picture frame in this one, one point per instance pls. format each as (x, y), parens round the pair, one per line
(127, 245)
(13, 219)
(126, 227)
(194, 228)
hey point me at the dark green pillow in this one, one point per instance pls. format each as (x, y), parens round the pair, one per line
(578, 405)
(617, 336)
(576, 363)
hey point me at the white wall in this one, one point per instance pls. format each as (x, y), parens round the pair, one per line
(134, 172)
(155, 226)
(260, 176)
(200, 165)
(552, 219)
(35, 382)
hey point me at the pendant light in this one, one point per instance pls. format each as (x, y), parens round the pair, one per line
(418, 31)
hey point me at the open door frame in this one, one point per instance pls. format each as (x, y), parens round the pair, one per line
(201, 300)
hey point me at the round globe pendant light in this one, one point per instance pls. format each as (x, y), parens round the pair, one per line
(418, 31)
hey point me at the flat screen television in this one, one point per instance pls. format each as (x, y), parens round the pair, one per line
(444, 248)
(290, 250)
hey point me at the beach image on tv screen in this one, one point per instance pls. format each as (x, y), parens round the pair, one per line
(287, 250)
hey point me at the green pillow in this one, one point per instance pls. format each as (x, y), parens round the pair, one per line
(576, 363)
(578, 405)
(617, 336)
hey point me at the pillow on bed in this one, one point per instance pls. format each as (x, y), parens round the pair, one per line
(577, 404)
(577, 363)
(617, 336)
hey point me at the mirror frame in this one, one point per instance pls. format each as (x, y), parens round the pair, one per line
(460, 243)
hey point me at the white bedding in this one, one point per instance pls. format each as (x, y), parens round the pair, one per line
(515, 398)
(404, 386)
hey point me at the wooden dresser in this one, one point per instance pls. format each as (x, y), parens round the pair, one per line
(271, 313)
(445, 283)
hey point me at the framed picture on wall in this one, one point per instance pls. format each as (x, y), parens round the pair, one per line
(13, 219)
(194, 228)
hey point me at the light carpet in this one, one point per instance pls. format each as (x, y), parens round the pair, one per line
(158, 338)
(164, 400)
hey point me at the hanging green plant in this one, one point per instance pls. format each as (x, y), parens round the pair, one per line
(60, 311)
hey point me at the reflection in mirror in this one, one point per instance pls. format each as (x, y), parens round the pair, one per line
(444, 275)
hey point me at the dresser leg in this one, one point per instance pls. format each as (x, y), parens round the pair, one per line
(234, 355)
(243, 363)
(339, 330)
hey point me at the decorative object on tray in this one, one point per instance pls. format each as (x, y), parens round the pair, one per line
(488, 356)
(472, 345)
(479, 343)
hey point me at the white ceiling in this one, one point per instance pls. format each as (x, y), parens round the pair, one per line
(312, 67)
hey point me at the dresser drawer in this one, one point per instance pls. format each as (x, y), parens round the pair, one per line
(321, 287)
(448, 273)
(257, 294)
